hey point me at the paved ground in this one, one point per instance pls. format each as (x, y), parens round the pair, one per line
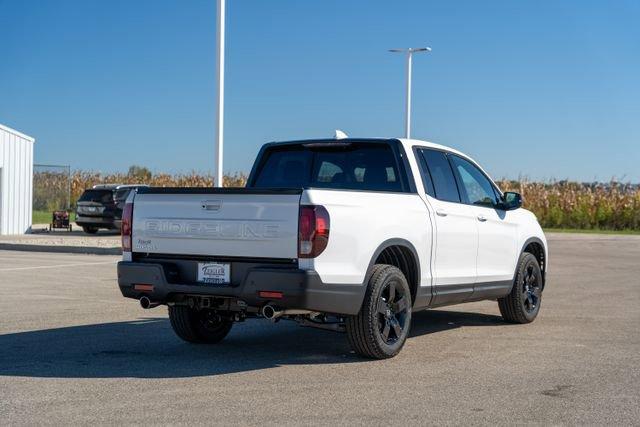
(73, 351)
(105, 242)
(103, 238)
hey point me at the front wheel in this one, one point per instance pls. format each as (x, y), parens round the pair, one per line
(198, 326)
(380, 329)
(522, 305)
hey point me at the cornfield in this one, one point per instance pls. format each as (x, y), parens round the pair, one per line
(592, 206)
(80, 180)
(561, 204)
(50, 190)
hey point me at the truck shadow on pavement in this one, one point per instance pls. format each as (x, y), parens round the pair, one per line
(147, 348)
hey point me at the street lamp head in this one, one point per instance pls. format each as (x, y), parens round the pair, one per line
(412, 49)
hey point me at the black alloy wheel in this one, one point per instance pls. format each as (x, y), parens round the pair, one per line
(380, 329)
(392, 312)
(522, 305)
(531, 287)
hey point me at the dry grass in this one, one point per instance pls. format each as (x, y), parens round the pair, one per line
(563, 204)
(80, 180)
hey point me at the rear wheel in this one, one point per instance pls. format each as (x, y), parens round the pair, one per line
(523, 303)
(198, 326)
(89, 230)
(381, 327)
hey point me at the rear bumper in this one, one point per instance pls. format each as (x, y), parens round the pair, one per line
(97, 221)
(301, 289)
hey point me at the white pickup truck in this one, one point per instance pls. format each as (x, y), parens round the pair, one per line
(351, 235)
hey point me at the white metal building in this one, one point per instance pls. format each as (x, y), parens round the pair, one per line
(16, 181)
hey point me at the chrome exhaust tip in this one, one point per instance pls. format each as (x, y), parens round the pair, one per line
(146, 303)
(269, 312)
(272, 313)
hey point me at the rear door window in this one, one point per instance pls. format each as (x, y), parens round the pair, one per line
(441, 174)
(121, 195)
(424, 173)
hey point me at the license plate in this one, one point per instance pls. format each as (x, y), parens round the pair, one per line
(214, 273)
(91, 209)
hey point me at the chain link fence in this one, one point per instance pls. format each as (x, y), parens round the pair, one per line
(51, 190)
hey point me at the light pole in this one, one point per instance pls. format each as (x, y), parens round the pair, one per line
(410, 51)
(219, 94)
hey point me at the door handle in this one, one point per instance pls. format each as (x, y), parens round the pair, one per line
(481, 218)
(441, 212)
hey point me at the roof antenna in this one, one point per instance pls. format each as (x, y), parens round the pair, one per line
(340, 135)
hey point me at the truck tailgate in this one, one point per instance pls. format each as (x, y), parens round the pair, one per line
(217, 222)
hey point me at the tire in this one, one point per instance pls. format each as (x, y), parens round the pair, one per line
(198, 326)
(380, 329)
(522, 305)
(89, 230)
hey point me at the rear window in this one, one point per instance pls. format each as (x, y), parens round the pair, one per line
(354, 166)
(441, 175)
(98, 196)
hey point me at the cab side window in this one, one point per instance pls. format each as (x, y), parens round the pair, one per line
(476, 188)
(438, 176)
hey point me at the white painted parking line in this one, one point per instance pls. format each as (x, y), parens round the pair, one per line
(37, 267)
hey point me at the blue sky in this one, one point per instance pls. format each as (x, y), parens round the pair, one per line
(543, 89)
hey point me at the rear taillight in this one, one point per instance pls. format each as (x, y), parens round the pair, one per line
(313, 231)
(127, 221)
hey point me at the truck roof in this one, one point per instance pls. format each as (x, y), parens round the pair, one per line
(407, 143)
(404, 141)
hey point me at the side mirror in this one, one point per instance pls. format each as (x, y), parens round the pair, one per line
(511, 200)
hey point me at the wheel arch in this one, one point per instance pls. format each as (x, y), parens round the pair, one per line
(402, 254)
(537, 248)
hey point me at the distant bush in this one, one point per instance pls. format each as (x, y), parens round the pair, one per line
(139, 173)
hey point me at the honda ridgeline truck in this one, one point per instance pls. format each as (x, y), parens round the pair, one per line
(351, 235)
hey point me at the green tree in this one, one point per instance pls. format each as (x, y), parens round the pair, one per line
(140, 174)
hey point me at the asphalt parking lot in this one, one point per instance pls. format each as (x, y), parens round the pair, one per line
(72, 350)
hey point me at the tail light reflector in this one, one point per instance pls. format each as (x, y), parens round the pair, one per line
(270, 294)
(313, 231)
(127, 221)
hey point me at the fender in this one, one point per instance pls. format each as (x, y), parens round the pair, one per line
(422, 296)
(544, 249)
